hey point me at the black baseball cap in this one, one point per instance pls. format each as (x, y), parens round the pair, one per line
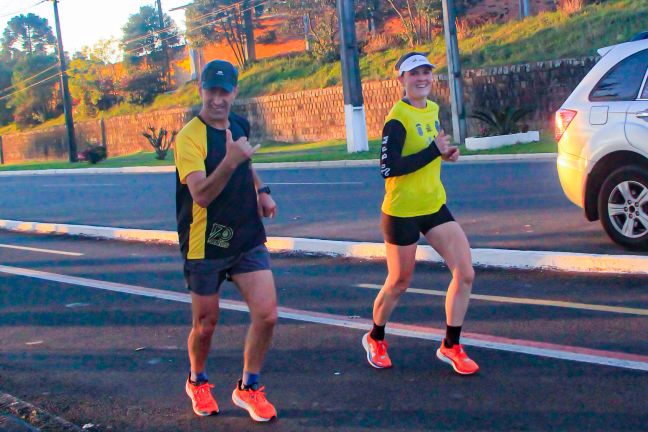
(219, 73)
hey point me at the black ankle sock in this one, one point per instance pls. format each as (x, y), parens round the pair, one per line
(377, 332)
(452, 336)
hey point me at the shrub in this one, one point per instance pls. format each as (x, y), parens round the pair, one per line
(93, 154)
(161, 142)
(569, 7)
(267, 38)
(502, 122)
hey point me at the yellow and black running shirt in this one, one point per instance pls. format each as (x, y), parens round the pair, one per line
(231, 224)
(410, 162)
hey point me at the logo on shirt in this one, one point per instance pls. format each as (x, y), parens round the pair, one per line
(220, 236)
(419, 129)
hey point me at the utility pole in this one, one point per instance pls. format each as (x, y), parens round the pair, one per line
(166, 68)
(307, 35)
(525, 9)
(67, 104)
(455, 77)
(354, 113)
(248, 24)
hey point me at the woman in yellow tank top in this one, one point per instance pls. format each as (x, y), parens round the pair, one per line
(413, 146)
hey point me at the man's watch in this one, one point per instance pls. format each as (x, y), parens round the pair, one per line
(264, 189)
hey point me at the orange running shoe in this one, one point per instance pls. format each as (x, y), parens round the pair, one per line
(254, 401)
(457, 358)
(202, 401)
(376, 352)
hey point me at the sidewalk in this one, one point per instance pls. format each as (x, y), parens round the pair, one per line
(497, 258)
(279, 165)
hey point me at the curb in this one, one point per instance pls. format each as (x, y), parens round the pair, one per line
(498, 258)
(275, 165)
(34, 416)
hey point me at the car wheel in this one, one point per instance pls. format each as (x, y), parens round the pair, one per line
(623, 206)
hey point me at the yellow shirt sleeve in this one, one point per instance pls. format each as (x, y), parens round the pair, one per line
(189, 156)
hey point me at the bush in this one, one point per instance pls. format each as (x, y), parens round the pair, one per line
(502, 122)
(267, 38)
(94, 154)
(161, 142)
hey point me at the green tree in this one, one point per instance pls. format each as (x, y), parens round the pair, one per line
(93, 78)
(91, 84)
(421, 19)
(6, 112)
(26, 35)
(143, 44)
(224, 20)
(323, 25)
(33, 104)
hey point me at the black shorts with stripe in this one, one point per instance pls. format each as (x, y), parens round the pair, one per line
(403, 231)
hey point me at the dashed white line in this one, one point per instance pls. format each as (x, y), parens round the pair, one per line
(528, 301)
(578, 354)
(50, 251)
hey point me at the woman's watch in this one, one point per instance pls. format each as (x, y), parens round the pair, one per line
(264, 189)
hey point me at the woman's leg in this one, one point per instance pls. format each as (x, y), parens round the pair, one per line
(400, 267)
(451, 243)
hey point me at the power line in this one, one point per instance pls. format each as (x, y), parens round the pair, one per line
(198, 18)
(125, 52)
(23, 9)
(29, 78)
(30, 86)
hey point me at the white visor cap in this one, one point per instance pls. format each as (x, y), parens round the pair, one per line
(413, 62)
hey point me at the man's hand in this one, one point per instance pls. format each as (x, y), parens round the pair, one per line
(267, 206)
(238, 151)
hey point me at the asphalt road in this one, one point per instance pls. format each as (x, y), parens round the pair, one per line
(512, 205)
(118, 361)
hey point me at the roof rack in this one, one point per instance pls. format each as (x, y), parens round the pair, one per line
(640, 36)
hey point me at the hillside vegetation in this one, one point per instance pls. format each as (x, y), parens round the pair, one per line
(546, 36)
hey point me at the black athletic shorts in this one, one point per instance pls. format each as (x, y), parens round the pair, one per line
(205, 276)
(406, 231)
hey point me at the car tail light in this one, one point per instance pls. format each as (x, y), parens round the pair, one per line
(563, 118)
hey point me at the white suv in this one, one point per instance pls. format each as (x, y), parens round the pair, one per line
(602, 134)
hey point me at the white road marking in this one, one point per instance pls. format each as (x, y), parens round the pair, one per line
(583, 355)
(528, 301)
(316, 183)
(51, 251)
(67, 185)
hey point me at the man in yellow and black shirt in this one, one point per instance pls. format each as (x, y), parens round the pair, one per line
(219, 204)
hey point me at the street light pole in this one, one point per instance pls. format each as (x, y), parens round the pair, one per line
(354, 113)
(455, 78)
(67, 104)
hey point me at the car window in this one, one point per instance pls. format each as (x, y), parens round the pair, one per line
(623, 81)
(644, 93)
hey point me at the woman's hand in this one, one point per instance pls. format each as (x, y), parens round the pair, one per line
(448, 152)
(451, 155)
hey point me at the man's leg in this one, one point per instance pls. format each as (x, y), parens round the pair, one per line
(205, 316)
(258, 290)
(450, 241)
(205, 313)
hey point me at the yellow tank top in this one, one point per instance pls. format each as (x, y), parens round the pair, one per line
(420, 192)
